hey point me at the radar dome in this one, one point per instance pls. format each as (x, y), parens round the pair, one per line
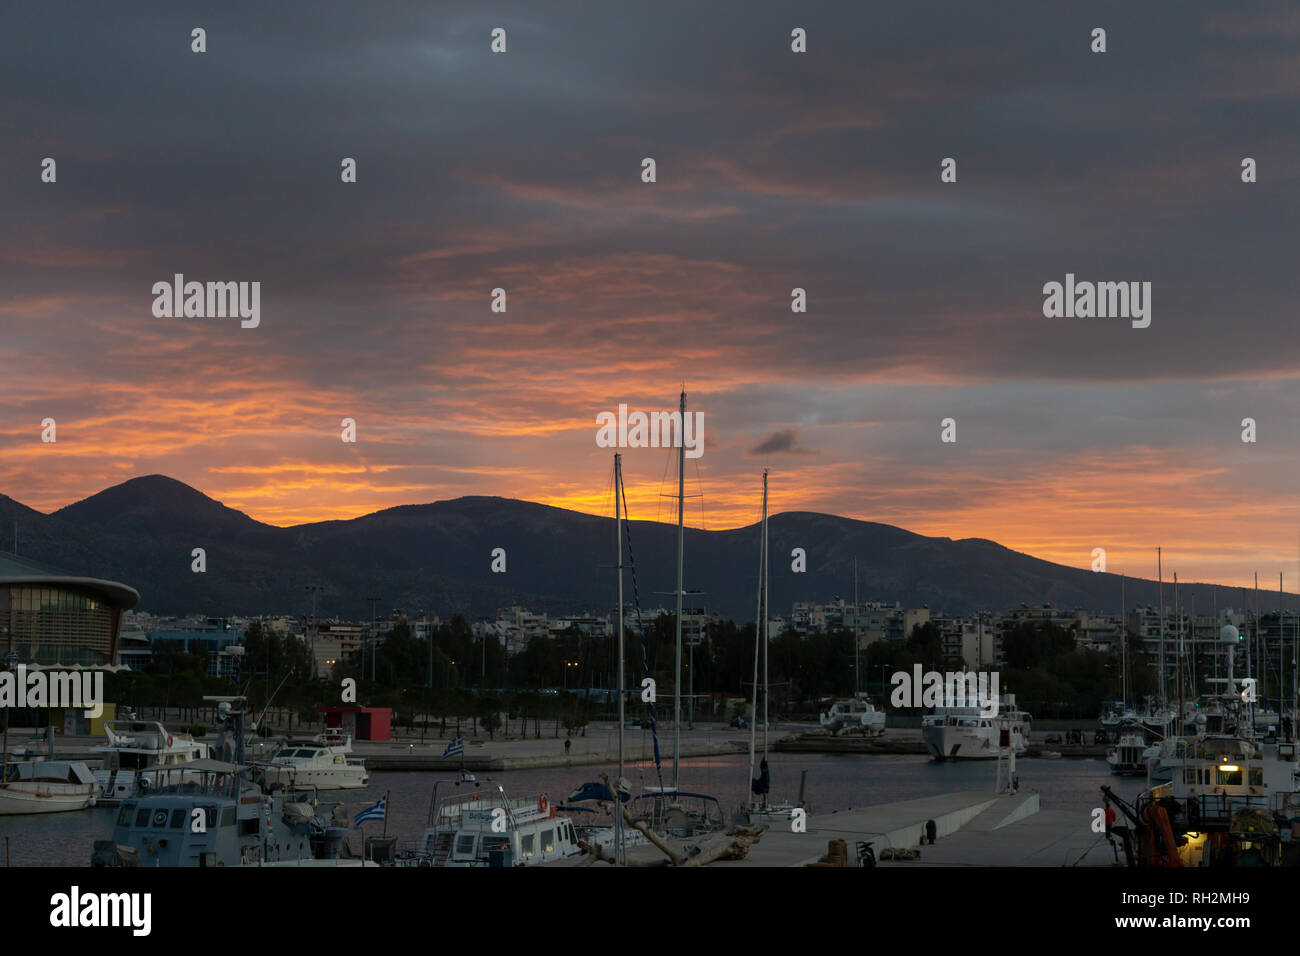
(1228, 634)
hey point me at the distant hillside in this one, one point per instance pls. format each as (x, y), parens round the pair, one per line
(438, 556)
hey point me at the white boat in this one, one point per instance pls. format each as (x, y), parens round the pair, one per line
(482, 828)
(138, 745)
(325, 763)
(1129, 758)
(855, 715)
(47, 786)
(1117, 716)
(964, 733)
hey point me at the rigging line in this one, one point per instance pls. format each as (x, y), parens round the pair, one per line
(645, 664)
(699, 484)
(659, 508)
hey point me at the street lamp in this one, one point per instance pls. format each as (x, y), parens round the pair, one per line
(314, 589)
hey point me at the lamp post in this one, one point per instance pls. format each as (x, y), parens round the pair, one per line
(314, 589)
(374, 674)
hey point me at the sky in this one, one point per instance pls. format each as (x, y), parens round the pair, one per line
(522, 170)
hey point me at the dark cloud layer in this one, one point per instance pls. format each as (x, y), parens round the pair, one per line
(775, 171)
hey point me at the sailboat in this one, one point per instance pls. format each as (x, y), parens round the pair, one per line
(757, 806)
(670, 809)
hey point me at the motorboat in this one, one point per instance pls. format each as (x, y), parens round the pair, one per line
(325, 762)
(968, 733)
(1129, 758)
(137, 745)
(483, 827)
(853, 715)
(47, 786)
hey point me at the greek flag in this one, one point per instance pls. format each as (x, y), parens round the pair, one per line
(376, 812)
(454, 749)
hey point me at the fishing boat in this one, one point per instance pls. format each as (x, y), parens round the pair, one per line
(1230, 800)
(325, 762)
(47, 786)
(208, 813)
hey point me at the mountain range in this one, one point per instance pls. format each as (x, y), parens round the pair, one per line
(438, 557)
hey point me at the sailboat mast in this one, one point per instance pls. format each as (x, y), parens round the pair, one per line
(619, 849)
(1261, 659)
(1179, 614)
(857, 672)
(758, 619)
(677, 673)
(1160, 585)
(1123, 645)
(767, 612)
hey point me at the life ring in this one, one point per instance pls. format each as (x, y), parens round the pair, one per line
(170, 741)
(543, 804)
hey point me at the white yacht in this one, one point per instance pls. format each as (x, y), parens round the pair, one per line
(852, 715)
(965, 733)
(47, 786)
(135, 746)
(1129, 758)
(482, 828)
(325, 763)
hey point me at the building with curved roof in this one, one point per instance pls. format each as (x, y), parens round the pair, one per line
(50, 617)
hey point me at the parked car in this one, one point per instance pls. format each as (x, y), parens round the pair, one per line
(1053, 738)
(740, 723)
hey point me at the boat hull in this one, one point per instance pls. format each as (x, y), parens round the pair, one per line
(342, 778)
(954, 743)
(28, 798)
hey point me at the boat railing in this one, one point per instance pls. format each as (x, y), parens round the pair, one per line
(182, 779)
(478, 812)
(1217, 808)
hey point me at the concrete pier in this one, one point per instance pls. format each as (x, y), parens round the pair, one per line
(973, 829)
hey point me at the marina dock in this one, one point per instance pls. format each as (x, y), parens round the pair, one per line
(973, 829)
(599, 747)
